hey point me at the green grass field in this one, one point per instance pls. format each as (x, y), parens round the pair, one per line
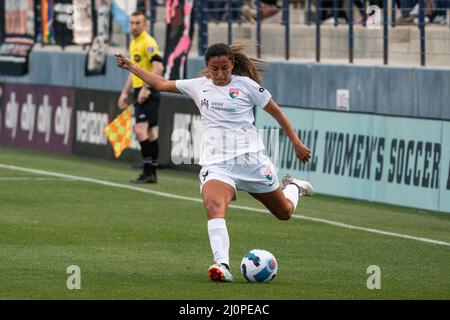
(131, 244)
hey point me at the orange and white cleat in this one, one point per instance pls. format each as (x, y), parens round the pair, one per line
(219, 273)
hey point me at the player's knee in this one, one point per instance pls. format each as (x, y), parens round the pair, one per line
(214, 207)
(284, 213)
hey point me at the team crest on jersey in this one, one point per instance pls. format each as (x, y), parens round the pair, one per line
(234, 93)
(137, 58)
(268, 174)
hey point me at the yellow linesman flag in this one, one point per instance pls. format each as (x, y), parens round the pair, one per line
(118, 132)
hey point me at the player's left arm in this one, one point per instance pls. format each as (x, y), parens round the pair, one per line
(303, 152)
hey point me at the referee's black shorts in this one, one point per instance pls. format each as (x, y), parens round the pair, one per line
(148, 110)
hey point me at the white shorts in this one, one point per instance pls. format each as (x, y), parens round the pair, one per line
(252, 172)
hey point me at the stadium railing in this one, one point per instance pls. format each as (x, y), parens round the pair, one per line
(377, 18)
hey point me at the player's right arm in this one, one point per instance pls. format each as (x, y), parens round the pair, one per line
(303, 152)
(122, 103)
(152, 79)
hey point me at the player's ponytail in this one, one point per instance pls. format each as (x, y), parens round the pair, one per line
(244, 64)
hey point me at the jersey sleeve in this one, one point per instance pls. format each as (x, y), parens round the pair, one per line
(152, 50)
(189, 87)
(258, 95)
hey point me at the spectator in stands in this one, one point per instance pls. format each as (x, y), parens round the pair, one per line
(327, 13)
(440, 14)
(410, 11)
(249, 11)
(268, 9)
(406, 6)
(361, 5)
(217, 8)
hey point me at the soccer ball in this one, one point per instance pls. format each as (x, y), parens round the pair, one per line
(259, 265)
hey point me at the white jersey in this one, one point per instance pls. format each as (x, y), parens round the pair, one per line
(227, 116)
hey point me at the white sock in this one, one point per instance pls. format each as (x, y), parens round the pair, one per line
(219, 240)
(291, 192)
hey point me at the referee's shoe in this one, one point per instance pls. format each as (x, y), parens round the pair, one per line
(145, 178)
(149, 174)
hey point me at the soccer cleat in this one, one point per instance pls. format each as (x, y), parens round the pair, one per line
(305, 188)
(219, 273)
(145, 178)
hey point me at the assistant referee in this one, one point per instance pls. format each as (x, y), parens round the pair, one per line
(144, 52)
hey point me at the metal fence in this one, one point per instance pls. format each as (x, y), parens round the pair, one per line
(381, 15)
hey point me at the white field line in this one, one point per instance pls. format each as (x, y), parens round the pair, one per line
(174, 196)
(33, 179)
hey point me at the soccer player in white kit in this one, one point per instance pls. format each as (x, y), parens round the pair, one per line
(231, 152)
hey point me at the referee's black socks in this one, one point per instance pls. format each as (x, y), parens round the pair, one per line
(154, 149)
(145, 148)
(150, 153)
